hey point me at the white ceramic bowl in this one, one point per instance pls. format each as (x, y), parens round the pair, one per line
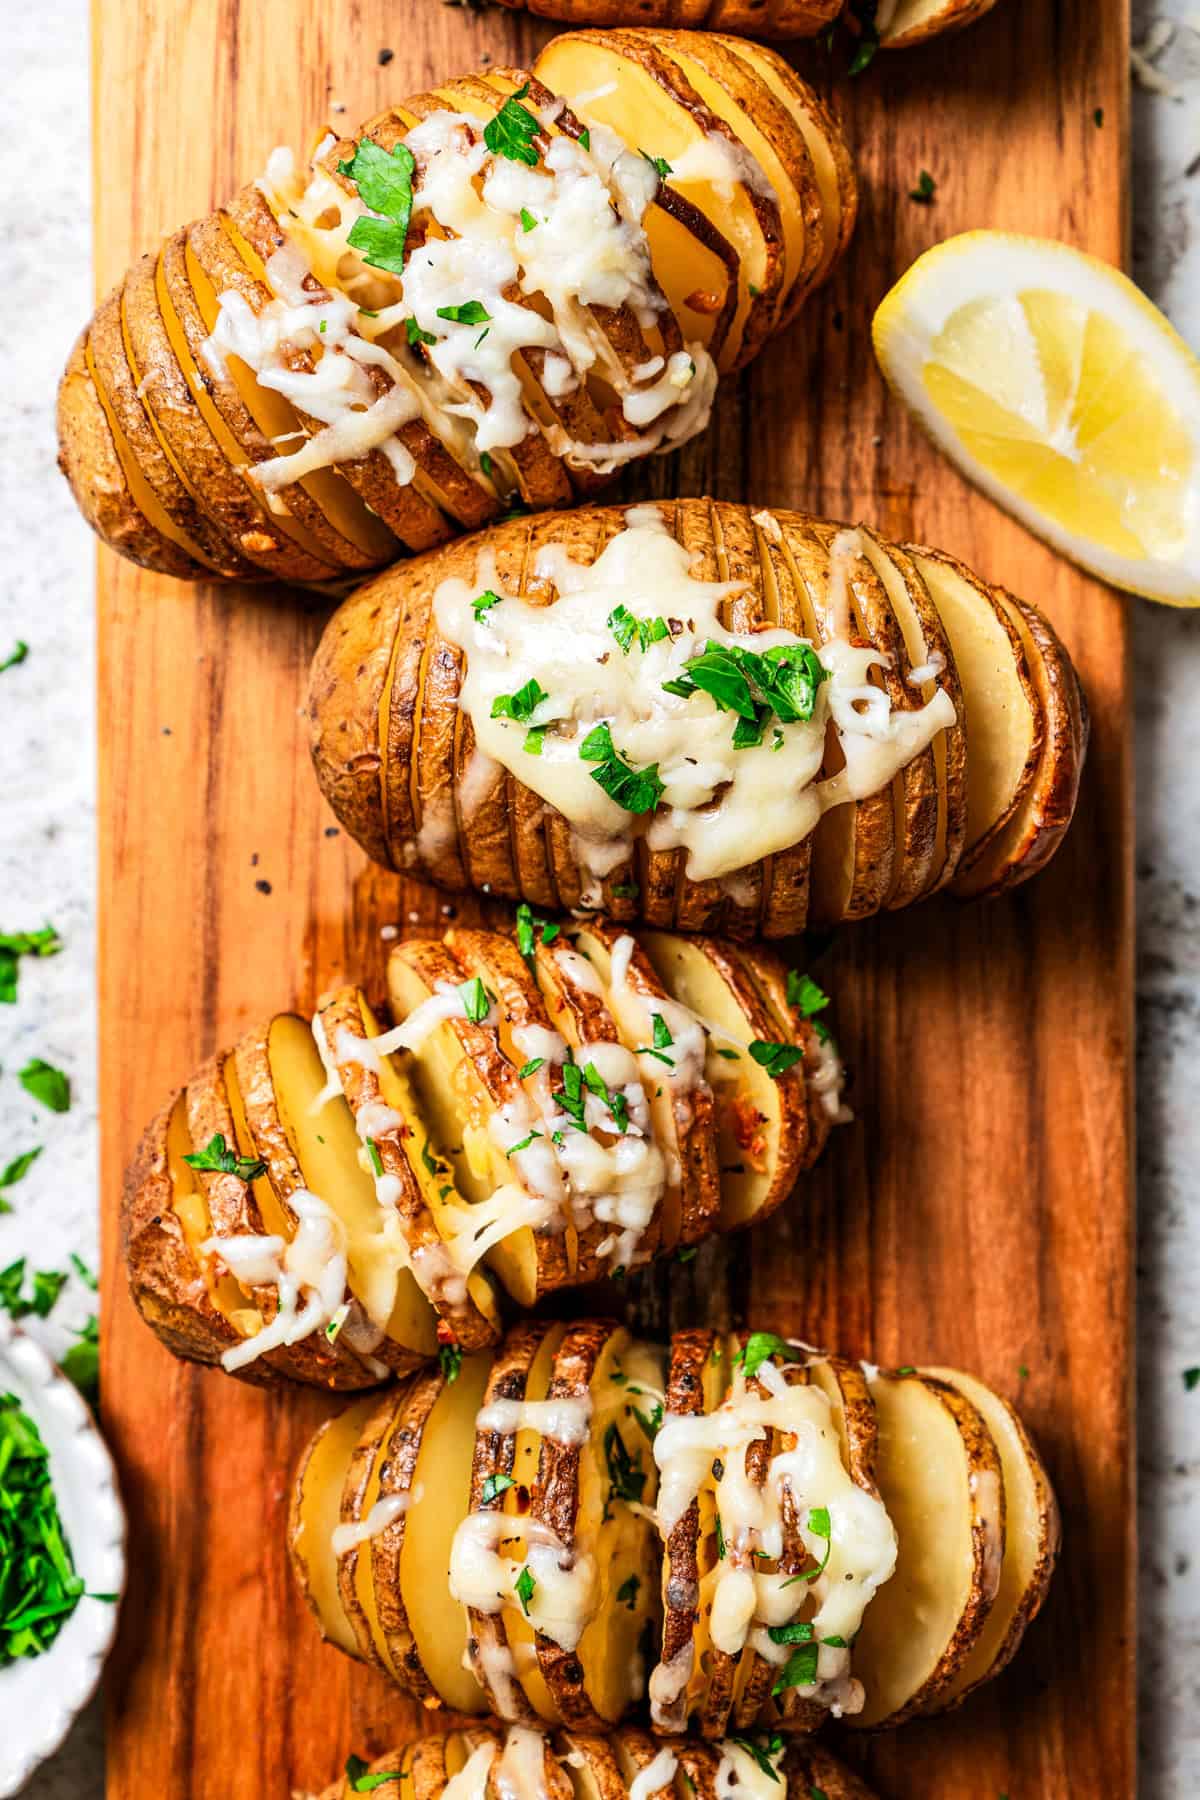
(40, 1696)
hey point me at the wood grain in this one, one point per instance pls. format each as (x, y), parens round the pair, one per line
(980, 1210)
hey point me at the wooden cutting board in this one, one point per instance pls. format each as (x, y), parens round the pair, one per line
(980, 1210)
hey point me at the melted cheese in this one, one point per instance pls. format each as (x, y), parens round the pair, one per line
(309, 1274)
(710, 1451)
(659, 1773)
(333, 338)
(741, 1776)
(564, 1583)
(471, 1782)
(521, 1772)
(713, 794)
(567, 1421)
(385, 1512)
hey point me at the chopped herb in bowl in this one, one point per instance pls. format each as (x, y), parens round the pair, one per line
(39, 1589)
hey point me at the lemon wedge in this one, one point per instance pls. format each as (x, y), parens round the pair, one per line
(1061, 391)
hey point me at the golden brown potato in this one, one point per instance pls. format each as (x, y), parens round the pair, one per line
(832, 1537)
(485, 1760)
(487, 301)
(423, 764)
(898, 22)
(335, 1201)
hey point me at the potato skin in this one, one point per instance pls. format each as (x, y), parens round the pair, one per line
(773, 19)
(345, 708)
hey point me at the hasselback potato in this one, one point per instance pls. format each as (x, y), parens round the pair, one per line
(732, 1533)
(893, 24)
(487, 300)
(332, 1201)
(486, 1762)
(626, 711)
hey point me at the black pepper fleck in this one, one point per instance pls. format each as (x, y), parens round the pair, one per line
(264, 887)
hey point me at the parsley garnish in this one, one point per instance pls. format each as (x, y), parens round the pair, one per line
(637, 790)
(803, 994)
(494, 1486)
(384, 182)
(14, 944)
(470, 312)
(430, 1160)
(528, 222)
(477, 1000)
(625, 890)
(585, 138)
(333, 1330)
(39, 1588)
(783, 680)
(521, 705)
(776, 1059)
(217, 1156)
(925, 189)
(1191, 1379)
(534, 740)
(484, 603)
(868, 42)
(616, 1103)
(650, 1422)
(47, 1285)
(361, 1779)
(686, 1254)
(523, 1145)
(527, 924)
(762, 1753)
(626, 1477)
(625, 627)
(81, 1363)
(659, 164)
(570, 1096)
(760, 1346)
(47, 1084)
(800, 1669)
(730, 1055)
(511, 133)
(819, 1525)
(17, 654)
(531, 1067)
(524, 1587)
(628, 1591)
(450, 1355)
(415, 335)
(16, 1170)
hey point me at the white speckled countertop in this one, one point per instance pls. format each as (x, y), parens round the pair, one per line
(47, 835)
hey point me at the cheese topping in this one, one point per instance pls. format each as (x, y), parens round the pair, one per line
(385, 1512)
(554, 1586)
(567, 1420)
(741, 1776)
(660, 1773)
(471, 1782)
(309, 1274)
(521, 1772)
(806, 1489)
(681, 768)
(506, 265)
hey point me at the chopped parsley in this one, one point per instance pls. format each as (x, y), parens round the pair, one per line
(804, 996)
(384, 182)
(730, 1055)
(468, 312)
(376, 1159)
(359, 1776)
(333, 1330)
(430, 1160)
(925, 189)
(81, 1363)
(686, 1254)
(765, 1755)
(46, 1286)
(483, 603)
(531, 1067)
(15, 944)
(615, 1102)
(570, 1096)
(637, 790)
(1191, 1379)
(534, 740)
(760, 1346)
(868, 42)
(39, 1588)
(221, 1160)
(521, 705)
(625, 890)
(782, 681)
(1097, 121)
(626, 1477)
(16, 1170)
(819, 1525)
(523, 1145)
(585, 138)
(450, 1355)
(477, 1000)
(17, 654)
(650, 1422)
(800, 1670)
(494, 1486)
(659, 164)
(720, 1540)
(528, 222)
(627, 1593)
(524, 1587)
(415, 335)
(511, 133)
(527, 925)
(626, 627)
(776, 1059)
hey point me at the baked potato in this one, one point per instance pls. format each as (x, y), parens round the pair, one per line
(895, 23)
(495, 297)
(335, 1202)
(484, 1761)
(591, 711)
(731, 1534)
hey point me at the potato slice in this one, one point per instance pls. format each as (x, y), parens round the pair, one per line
(913, 21)
(940, 1476)
(316, 1510)
(359, 1513)
(493, 1465)
(461, 1079)
(681, 1102)
(823, 1070)
(1036, 827)
(582, 1494)
(1031, 1539)
(762, 1122)
(409, 1181)
(697, 1380)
